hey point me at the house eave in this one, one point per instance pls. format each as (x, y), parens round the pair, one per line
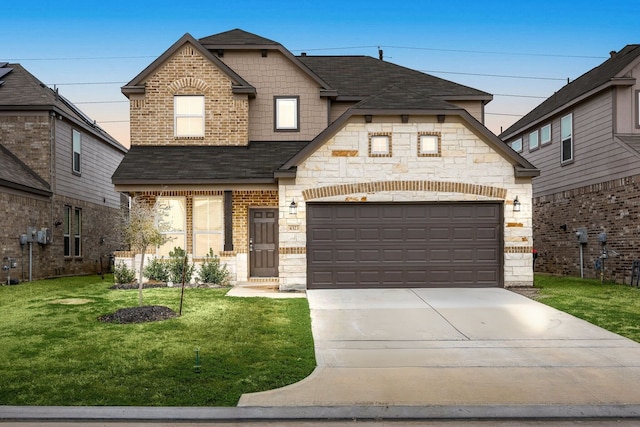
(522, 172)
(145, 182)
(25, 188)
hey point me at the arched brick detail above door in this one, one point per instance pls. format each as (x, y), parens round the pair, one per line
(386, 186)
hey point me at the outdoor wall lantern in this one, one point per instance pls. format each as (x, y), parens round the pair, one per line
(293, 208)
(516, 205)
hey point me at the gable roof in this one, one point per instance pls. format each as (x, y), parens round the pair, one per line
(609, 73)
(22, 91)
(137, 85)
(237, 37)
(15, 174)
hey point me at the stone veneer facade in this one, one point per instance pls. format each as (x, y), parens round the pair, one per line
(610, 207)
(466, 170)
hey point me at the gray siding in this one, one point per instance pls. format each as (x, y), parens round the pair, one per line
(98, 162)
(597, 157)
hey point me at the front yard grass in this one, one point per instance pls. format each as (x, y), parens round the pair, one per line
(611, 306)
(54, 351)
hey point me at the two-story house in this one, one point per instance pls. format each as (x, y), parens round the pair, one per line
(58, 207)
(325, 171)
(585, 139)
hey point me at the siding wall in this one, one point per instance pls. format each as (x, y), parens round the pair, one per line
(276, 75)
(98, 163)
(597, 157)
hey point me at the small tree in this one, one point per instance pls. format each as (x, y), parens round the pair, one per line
(141, 228)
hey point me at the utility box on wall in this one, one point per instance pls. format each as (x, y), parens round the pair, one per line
(44, 236)
(583, 236)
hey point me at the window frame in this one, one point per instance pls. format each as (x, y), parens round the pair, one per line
(76, 152)
(537, 139)
(569, 138)
(77, 232)
(277, 126)
(209, 232)
(188, 115)
(544, 142)
(170, 244)
(637, 109)
(66, 232)
(374, 136)
(519, 140)
(438, 150)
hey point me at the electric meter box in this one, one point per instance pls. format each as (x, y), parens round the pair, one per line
(583, 237)
(44, 236)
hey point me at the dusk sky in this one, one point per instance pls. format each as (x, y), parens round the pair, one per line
(521, 52)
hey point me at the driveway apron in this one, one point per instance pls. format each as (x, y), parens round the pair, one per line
(415, 347)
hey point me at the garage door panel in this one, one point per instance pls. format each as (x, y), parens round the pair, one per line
(381, 245)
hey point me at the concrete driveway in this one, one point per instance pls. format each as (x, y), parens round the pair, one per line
(458, 347)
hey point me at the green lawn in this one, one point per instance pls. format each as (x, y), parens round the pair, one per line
(611, 306)
(56, 353)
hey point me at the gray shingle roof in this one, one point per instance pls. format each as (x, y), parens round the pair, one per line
(236, 37)
(584, 84)
(15, 174)
(255, 163)
(361, 76)
(22, 90)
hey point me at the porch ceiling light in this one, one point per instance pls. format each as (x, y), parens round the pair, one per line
(293, 208)
(516, 205)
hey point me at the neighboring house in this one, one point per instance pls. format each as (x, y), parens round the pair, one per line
(325, 171)
(586, 141)
(58, 207)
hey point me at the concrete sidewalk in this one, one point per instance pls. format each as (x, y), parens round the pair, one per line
(457, 348)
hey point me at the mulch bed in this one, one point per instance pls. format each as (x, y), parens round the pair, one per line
(145, 313)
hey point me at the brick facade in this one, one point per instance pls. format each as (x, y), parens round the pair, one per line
(28, 136)
(611, 207)
(187, 72)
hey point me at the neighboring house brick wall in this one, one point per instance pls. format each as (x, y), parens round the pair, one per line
(187, 72)
(611, 207)
(28, 137)
(275, 75)
(465, 160)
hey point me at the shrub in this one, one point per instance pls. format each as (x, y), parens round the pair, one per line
(123, 274)
(178, 263)
(157, 270)
(212, 271)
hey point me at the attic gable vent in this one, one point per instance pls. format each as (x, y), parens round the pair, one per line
(4, 70)
(188, 51)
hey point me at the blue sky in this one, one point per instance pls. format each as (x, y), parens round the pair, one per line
(103, 45)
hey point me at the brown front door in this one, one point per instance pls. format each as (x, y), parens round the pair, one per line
(263, 242)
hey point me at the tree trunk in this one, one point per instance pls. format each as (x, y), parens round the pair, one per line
(144, 251)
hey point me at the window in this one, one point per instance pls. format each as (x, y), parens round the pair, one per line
(517, 145)
(208, 225)
(429, 145)
(638, 108)
(188, 115)
(77, 146)
(534, 142)
(286, 113)
(77, 232)
(380, 145)
(172, 214)
(566, 138)
(67, 231)
(545, 134)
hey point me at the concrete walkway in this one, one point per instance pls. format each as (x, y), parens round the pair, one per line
(458, 348)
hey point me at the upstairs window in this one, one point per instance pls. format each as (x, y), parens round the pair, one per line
(517, 145)
(380, 145)
(534, 141)
(188, 116)
(287, 111)
(566, 138)
(429, 145)
(77, 147)
(545, 134)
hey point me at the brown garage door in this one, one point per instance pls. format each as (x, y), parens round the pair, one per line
(378, 245)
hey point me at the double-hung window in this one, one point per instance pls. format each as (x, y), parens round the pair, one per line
(208, 225)
(534, 141)
(287, 112)
(566, 138)
(77, 232)
(172, 221)
(77, 149)
(188, 115)
(67, 231)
